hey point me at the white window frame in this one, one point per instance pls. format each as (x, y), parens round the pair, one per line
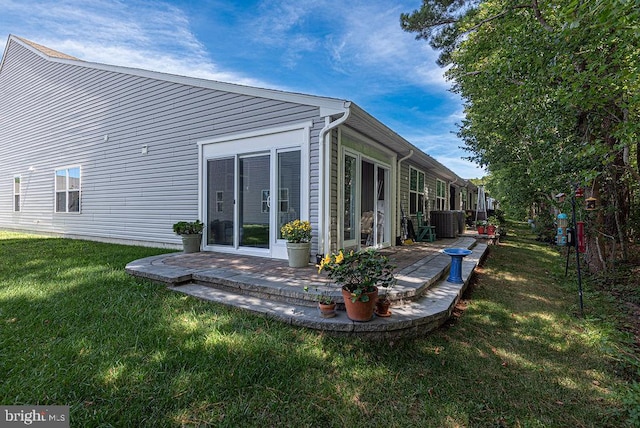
(441, 199)
(67, 190)
(283, 200)
(17, 203)
(417, 192)
(266, 201)
(219, 201)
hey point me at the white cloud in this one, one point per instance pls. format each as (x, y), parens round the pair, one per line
(463, 168)
(439, 140)
(154, 36)
(361, 38)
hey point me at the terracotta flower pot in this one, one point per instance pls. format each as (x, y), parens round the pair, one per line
(382, 307)
(491, 230)
(327, 310)
(480, 230)
(359, 310)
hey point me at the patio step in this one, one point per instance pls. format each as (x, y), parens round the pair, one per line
(422, 299)
(409, 318)
(412, 280)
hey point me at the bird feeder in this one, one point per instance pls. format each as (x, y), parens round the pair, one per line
(591, 204)
(579, 192)
(560, 197)
(561, 236)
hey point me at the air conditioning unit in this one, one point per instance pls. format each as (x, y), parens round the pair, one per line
(446, 223)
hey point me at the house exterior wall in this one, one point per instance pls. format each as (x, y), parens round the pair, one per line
(430, 180)
(56, 115)
(314, 181)
(430, 196)
(429, 188)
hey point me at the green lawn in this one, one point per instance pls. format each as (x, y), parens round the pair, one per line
(76, 330)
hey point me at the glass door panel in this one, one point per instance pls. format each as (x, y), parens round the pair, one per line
(367, 204)
(382, 206)
(254, 198)
(220, 201)
(349, 203)
(289, 178)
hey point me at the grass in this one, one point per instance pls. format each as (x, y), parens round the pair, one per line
(76, 330)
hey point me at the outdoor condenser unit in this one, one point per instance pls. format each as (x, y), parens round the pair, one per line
(446, 223)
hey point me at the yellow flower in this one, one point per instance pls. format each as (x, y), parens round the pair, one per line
(340, 257)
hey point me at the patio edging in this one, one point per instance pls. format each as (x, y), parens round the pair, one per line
(416, 310)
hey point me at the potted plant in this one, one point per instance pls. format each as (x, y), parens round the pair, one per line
(382, 306)
(191, 233)
(326, 303)
(298, 236)
(492, 223)
(480, 225)
(359, 274)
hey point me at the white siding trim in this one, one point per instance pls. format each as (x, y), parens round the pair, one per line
(258, 133)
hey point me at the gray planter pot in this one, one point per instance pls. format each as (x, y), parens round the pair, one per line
(191, 243)
(298, 254)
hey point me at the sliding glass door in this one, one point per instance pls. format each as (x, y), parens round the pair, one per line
(250, 197)
(366, 215)
(289, 188)
(350, 198)
(254, 200)
(221, 201)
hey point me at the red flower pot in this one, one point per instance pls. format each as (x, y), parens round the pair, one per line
(359, 310)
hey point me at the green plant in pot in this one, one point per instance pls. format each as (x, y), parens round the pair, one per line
(191, 233)
(492, 224)
(298, 236)
(326, 302)
(359, 274)
(383, 303)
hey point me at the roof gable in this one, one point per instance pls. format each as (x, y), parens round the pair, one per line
(45, 50)
(328, 106)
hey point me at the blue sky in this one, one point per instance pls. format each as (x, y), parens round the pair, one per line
(353, 50)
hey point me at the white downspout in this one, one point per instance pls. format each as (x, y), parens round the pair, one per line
(324, 180)
(399, 193)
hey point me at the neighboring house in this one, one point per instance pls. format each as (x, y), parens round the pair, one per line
(119, 154)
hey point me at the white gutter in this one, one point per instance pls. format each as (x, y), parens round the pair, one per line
(324, 233)
(324, 180)
(399, 194)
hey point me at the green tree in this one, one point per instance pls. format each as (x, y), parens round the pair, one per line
(551, 95)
